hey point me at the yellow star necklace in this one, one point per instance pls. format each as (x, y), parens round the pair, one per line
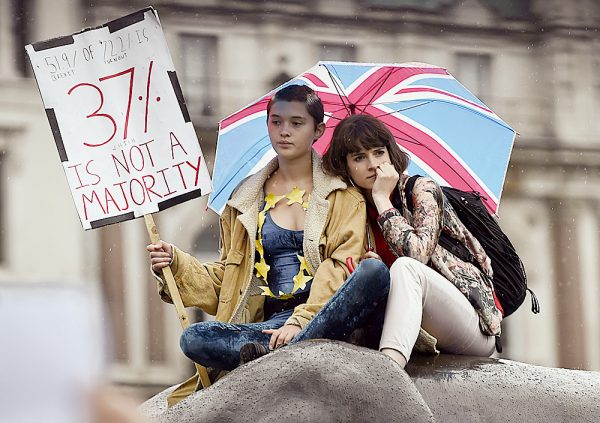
(261, 267)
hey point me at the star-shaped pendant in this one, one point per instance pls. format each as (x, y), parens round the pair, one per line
(262, 268)
(300, 281)
(259, 248)
(303, 265)
(271, 199)
(295, 196)
(267, 292)
(261, 220)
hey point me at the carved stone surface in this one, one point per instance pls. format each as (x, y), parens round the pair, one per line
(471, 389)
(320, 381)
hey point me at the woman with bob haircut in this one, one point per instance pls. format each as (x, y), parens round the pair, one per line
(286, 233)
(432, 289)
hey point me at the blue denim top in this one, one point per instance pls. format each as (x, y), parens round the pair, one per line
(282, 247)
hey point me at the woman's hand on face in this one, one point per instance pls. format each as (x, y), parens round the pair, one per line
(161, 255)
(386, 180)
(281, 336)
(371, 254)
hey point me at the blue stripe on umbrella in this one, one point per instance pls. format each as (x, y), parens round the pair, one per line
(235, 163)
(457, 124)
(450, 85)
(348, 74)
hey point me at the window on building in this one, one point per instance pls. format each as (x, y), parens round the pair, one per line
(473, 71)
(21, 25)
(337, 52)
(280, 79)
(199, 72)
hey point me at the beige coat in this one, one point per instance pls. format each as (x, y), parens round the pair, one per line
(334, 229)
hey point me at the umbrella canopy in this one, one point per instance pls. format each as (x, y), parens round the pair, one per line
(450, 135)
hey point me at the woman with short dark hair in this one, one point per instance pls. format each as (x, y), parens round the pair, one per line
(452, 300)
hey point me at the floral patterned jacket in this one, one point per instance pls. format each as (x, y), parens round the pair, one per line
(416, 235)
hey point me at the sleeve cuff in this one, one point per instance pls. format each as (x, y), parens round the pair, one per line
(386, 215)
(293, 320)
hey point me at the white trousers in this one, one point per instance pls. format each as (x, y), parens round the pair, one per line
(421, 297)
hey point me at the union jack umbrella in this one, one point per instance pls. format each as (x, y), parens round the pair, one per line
(449, 134)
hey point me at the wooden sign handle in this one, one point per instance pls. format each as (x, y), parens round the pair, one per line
(168, 275)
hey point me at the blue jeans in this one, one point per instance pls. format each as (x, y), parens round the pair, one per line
(358, 303)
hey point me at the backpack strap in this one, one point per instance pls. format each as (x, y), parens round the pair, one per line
(446, 241)
(535, 304)
(498, 342)
(408, 189)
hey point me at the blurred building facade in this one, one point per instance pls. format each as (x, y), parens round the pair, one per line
(535, 63)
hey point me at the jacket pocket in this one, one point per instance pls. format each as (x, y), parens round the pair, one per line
(232, 277)
(234, 257)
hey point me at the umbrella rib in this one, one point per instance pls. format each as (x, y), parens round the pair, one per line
(402, 110)
(341, 94)
(435, 100)
(333, 115)
(379, 82)
(412, 140)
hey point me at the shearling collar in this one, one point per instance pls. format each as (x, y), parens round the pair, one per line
(251, 189)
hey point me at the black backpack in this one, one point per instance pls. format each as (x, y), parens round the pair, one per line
(510, 280)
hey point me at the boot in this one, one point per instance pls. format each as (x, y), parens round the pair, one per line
(252, 351)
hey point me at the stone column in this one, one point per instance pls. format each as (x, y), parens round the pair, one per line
(571, 340)
(113, 287)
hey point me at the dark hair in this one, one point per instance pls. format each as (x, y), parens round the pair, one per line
(302, 94)
(356, 132)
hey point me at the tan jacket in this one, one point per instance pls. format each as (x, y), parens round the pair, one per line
(334, 229)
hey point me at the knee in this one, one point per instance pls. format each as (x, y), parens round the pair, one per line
(193, 337)
(376, 272)
(406, 270)
(186, 341)
(403, 263)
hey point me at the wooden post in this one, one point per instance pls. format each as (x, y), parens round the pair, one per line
(168, 275)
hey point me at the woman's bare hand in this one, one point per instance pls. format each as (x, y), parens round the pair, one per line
(281, 336)
(385, 183)
(161, 255)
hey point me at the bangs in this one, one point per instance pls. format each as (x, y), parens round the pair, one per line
(357, 140)
(356, 133)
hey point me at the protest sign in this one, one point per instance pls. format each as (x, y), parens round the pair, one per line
(119, 120)
(121, 126)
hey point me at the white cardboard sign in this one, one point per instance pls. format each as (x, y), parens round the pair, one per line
(119, 120)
